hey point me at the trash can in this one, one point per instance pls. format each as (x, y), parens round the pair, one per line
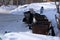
(40, 28)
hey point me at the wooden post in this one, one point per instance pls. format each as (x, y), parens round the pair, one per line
(17, 2)
(57, 5)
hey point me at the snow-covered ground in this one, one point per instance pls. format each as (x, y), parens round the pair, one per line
(7, 9)
(28, 36)
(17, 30)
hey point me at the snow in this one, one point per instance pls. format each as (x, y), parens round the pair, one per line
(35, 6)
(27, 36)
(12, 23)
(20, 10)
(18, 30)
(7, 9)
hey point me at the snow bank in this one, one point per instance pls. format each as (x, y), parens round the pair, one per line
(20, 10)
(27, 36)
(36, 6)
(6, 9)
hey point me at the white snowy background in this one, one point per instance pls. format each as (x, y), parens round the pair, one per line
(18, 30)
